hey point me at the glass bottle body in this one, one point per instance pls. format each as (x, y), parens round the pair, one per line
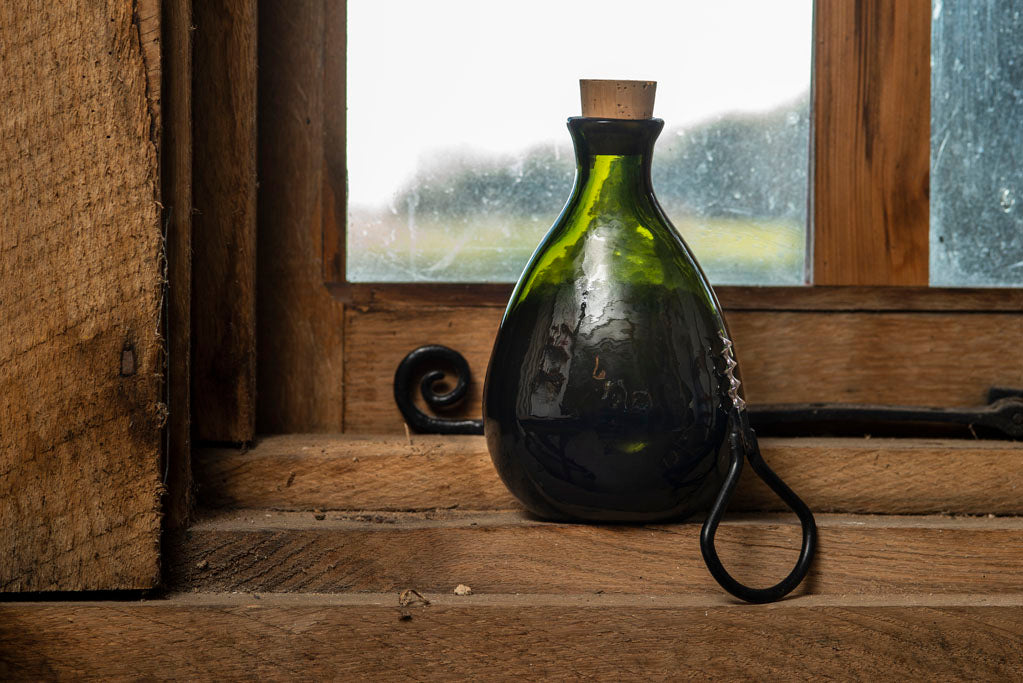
(606, 397)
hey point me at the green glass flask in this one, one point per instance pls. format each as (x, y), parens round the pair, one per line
(612, 392)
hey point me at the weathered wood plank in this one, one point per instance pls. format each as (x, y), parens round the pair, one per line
(507, 552)
(81, 359)
(176, 170)
(224, 242)
(886, 476)
(872, 146)
(300, 325)
(786, 357)
(512, 637)
(305, 472)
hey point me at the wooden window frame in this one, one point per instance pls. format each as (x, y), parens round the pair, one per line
(325, 349)
(326, 353)
(311, 347)
(869, 217)
(871, 142)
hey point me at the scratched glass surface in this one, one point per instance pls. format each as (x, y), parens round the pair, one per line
(459, 159)
(977, 143)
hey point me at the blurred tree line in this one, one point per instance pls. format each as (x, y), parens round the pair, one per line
(740, 166)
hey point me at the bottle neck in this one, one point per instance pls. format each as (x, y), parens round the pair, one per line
(613, 162)
(611, 183)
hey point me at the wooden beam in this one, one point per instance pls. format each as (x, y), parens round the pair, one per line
(224, 244)
(508, 552)
(871, 142)
(516, 637)
(881, 476)
(335, 165)
(338, 472)
(300, 325)
(81, 294)
(732, 298)
(176, 169)
(929, 359)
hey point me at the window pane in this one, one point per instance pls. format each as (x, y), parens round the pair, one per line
(977, 143)
(459, 159)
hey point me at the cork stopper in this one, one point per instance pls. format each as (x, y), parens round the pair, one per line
(617, 99)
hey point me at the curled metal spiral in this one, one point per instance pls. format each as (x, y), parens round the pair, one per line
(733, 382)
(430, 358)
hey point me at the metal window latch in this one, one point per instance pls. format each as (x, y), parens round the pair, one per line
(1001, 418)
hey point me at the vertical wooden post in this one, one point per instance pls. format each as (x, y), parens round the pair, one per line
(301, 326)
(81, 296)
(176, 167)
(224, 224)
(335, 163)
(871, 139)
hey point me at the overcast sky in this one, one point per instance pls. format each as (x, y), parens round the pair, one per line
(502, 76)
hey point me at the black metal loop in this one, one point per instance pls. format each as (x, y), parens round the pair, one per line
(742, 440)
(430, 357)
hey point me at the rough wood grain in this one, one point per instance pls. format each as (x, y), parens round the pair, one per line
(885, 476)
(81, 289)
(512, 637)
(224, 242)
(506, 552)
(300, 325)
(786, 357)
(176, 170)
(341, 472)
(872, 142)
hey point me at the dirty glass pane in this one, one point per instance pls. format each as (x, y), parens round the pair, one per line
(977, 143)
(459, 159)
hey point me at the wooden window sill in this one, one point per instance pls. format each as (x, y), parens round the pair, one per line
(321, 513)
(532, 637)
(417, 473)
(305, 541)
(508, 552)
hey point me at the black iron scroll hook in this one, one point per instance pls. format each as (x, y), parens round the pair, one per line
(742, 442)
(430, 358)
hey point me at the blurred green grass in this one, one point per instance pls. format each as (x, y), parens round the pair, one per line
(495, 249)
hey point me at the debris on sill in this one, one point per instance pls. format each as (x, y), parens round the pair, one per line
(410, 597)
